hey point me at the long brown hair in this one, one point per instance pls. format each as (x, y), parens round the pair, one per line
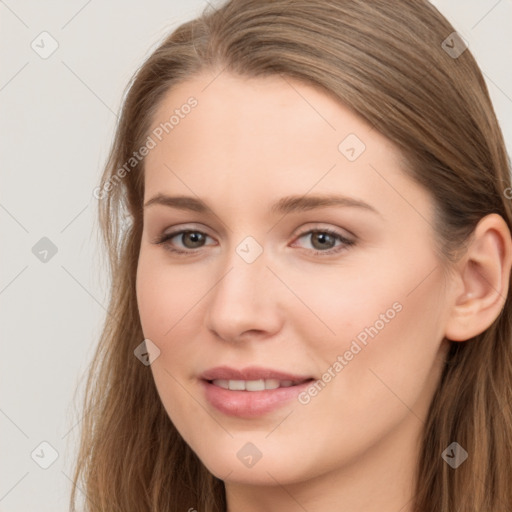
(389, 61)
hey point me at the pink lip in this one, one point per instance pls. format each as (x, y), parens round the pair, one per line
(250, 404)
(250, 373)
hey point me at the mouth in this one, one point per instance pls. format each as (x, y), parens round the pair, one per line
(252, 374)
(256, 385)
(251, 392)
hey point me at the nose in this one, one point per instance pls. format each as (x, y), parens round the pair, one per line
(245, 303)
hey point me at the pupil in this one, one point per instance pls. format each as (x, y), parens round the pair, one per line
(196, 238)
(321, 237)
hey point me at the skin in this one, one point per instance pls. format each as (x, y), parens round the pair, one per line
(248, 143)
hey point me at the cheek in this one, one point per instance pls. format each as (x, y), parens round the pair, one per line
(171, 300)
(384, 356)
(165, 297)
(383, 380)
(384, 321)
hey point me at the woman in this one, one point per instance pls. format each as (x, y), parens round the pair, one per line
(310, 248)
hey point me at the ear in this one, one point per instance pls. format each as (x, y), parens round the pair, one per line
(483, 275)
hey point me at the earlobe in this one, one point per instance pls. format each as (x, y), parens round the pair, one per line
(484, 271)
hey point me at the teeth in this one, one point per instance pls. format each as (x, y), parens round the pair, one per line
(255, 385)
(221, 383)
(236, 385)
(252, 385)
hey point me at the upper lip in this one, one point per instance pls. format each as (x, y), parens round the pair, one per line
(250, 373)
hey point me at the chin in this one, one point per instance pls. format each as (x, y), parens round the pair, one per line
(240, 462)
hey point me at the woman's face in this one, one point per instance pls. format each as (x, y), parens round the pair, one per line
(310, 258)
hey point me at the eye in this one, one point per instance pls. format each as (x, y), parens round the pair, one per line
(191, 239)
(324, 240)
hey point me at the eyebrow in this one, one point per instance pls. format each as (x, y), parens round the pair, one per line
(285, 205)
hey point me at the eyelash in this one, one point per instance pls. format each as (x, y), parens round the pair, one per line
(164, 240)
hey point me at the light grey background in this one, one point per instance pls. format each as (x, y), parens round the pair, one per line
(56, 123)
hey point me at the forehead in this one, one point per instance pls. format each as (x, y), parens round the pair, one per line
(239, 112)
(256, 137)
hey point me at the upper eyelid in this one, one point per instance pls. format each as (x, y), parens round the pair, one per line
(312, 226)
(305, 231)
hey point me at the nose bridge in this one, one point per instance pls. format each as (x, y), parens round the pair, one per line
(244, 297)
(245, 273)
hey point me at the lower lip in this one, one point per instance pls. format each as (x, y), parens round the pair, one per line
(250, 404)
